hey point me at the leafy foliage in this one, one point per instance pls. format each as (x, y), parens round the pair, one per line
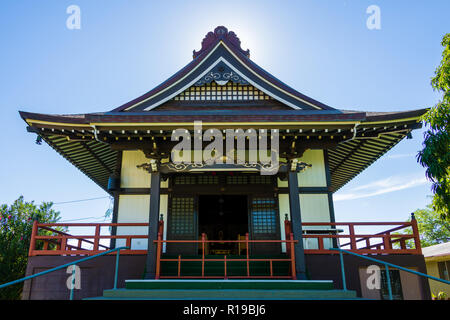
(16, 222)
(435, 156)
(432, 228)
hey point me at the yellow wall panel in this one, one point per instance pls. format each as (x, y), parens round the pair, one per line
(435, 286)
(314, 207)
(135, 208)
(314, 176)
(283, 208)
(131, 176)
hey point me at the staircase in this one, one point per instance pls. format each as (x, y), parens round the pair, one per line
(234, 268)
(227, 290)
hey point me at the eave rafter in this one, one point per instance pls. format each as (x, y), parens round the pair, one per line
(350, 152)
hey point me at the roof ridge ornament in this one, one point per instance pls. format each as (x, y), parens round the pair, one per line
(221, 33)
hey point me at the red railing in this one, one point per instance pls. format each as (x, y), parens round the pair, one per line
(59, 243)
(318, 237)
(225, 260)
(402, 239)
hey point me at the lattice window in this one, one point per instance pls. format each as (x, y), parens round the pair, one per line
(260, 179)
(396, 285)
(182, 217)
(184, 180)
(207, 179)
(264, 215)
(229, 92)
(237, 179)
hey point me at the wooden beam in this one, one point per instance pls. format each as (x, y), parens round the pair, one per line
(296, 221)
(153, 219)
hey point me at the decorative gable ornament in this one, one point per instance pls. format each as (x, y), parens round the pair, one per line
(221, 74)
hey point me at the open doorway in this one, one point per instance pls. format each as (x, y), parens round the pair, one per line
(223, 217)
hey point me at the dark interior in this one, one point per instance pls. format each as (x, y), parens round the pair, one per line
(223, 218)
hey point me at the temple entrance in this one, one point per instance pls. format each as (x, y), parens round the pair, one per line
(223, 205)
(223, 217)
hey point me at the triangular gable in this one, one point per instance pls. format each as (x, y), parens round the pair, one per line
(221, 61)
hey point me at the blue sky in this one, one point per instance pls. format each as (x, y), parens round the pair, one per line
(125, 48)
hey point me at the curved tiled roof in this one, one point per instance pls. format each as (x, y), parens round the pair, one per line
(358, 138)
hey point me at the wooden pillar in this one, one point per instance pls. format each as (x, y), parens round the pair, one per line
(153, 223)
(296, 224)
(114, 219)
(114, 186)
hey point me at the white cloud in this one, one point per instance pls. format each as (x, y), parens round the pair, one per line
(387, 185)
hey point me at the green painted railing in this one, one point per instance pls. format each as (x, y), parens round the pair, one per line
(386, 265)
(74, 263)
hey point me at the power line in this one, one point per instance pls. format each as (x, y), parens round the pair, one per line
(73, 201)
(95, 218)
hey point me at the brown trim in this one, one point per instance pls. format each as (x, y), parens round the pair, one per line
(141, 191)
(305, 190)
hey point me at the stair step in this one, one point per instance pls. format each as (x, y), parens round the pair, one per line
(227, 294)
(206, 284)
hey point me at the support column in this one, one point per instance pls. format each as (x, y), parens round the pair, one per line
(114, 186)
(153, 219)
(296, 224)
(114, 219)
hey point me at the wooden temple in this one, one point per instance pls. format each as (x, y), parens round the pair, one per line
(224, 220)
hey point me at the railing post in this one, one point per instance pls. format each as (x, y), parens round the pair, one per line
(388, 279)
(271, 268)
(116, 273)
(368, 243)
(415, 231)
(34, 232)
(158, 256)
(225, 266)
(389, 240)
(386, 243)
(293, 268)
(128, 241)
(63, 244)
(72, 283)
(203, 255)
(248, 262)
(403, 244)
(344, 281)
(320, 242)
(351, 230)
(96, 239)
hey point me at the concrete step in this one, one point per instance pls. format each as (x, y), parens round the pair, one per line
(225, 294)
(220, 284)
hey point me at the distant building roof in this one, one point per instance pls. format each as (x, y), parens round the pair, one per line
(438, 250)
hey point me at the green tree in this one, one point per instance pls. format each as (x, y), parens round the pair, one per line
(16, 222)
(432, 228)
(435, 156)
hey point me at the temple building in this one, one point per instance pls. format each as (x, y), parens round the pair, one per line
(184, 219)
